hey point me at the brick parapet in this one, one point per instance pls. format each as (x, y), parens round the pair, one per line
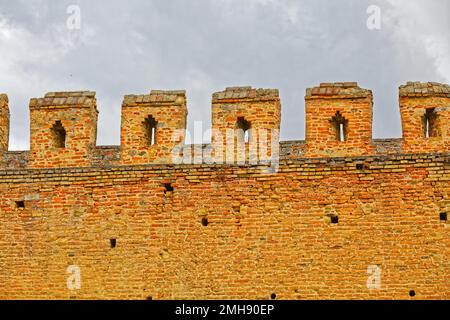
(260, 109)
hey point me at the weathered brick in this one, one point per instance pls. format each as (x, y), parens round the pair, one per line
(139, 226)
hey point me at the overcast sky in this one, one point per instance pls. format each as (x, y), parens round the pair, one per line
(131, 47)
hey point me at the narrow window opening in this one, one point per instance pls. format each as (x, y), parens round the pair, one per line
(152, 142)
(113, 243)
(443, 216)
(360, 166)
(243, 127)
(339, 124)
(59, 135)
(341, 132)
(246, 136)
(429, 123)
(205, 222)
(150, 130)
(20, 204)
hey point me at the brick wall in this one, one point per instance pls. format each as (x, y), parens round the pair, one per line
(265, 233)
(419, 101)
(311, 229)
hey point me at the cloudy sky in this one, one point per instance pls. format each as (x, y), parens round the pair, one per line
(130, 47)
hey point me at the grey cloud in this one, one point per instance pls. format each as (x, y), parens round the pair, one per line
(204, 46)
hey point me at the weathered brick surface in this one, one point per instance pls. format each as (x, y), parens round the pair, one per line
(415, 99)
(4, 125)
(266, 233)
(77, 112)
(354, 104)
(193, 231)
(259, 107)
(169, 110)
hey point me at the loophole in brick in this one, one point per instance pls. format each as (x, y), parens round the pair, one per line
(20, 204)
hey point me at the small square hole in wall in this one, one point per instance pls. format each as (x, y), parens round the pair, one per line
(360, 166)
(113, 243)
(334, 218)
(168, 187)
(20, 204)
(443, 216)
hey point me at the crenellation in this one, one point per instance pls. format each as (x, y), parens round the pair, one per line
(245, 126)
(63, 129)
(153, 125)
(338, 120)
(425, 114)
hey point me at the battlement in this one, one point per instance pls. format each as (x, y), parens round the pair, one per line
(245, 126)
(338, 120)
(425, 113)
(63, 129)
(243, 117)
(152, 126)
